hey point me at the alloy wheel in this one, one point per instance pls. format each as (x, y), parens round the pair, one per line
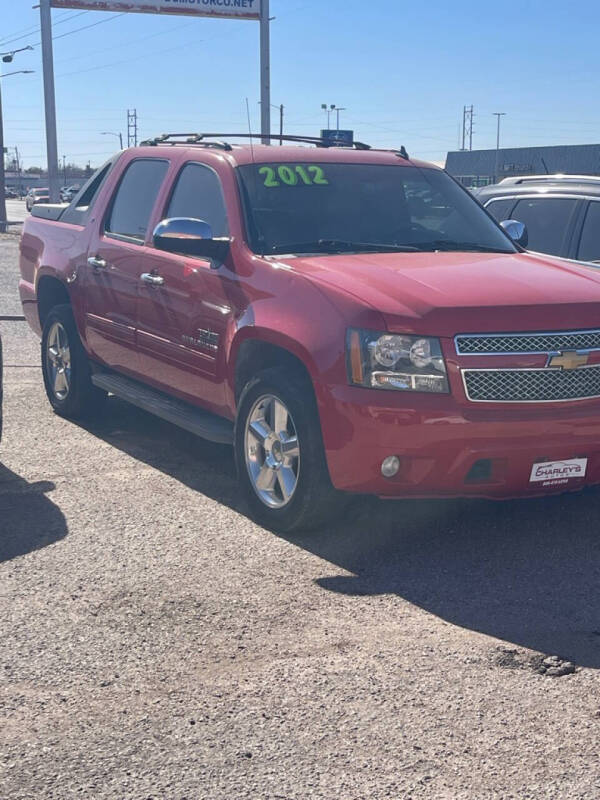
(272, 451)
(59, 361)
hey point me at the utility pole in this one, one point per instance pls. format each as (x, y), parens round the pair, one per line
(49, 100)
(64, 171)
(281, 124)
(498, 114)
(18, 163)
(467, 129)
(265, 72)
(132, 128)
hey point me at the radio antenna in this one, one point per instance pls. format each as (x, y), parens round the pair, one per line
(250, 130)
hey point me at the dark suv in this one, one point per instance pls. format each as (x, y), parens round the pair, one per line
(561, 212)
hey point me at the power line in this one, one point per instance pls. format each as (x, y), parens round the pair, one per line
(194, 42)
(87, 54)
(36, 29)
(119, 63)
(86, 27)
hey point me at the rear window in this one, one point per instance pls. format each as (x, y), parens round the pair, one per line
(135, 197)
(78, 212)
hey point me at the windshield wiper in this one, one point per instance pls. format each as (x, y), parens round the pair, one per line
(446, 244)
(340, 246)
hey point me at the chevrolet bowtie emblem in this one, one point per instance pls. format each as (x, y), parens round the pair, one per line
(568, 360)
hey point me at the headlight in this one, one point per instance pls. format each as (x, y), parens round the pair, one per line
(397, 362)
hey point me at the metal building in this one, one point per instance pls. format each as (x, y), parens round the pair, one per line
(482, 167)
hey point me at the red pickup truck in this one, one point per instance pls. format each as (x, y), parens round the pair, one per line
(350, 319)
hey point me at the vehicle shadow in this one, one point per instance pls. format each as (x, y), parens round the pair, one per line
(524, 571)
(28, 519)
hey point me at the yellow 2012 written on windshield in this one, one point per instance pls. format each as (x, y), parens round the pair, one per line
(295, 175)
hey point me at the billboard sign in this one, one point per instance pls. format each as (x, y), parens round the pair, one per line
(338, 138)
(233, 9)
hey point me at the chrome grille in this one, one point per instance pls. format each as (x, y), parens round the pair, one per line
(517, 343)
(531, 385)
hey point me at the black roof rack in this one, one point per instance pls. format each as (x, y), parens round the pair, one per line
(186, 139)
(200, 139)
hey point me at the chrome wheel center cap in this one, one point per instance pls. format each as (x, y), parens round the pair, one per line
(276, 451)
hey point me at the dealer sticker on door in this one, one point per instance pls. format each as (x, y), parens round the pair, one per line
(555, 473)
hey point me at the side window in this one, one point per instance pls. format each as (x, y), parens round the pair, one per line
(500, 209)
(589, 247)
(82, 203)
(547, 220)
(198, 195)
(135, 197)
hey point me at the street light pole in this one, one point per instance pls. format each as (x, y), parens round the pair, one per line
(118, 135)
(2, 172)
(338, 116)
(498, 114)
(329, 109)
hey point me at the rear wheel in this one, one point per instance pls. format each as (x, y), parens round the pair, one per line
(280, 455)
(66, 369)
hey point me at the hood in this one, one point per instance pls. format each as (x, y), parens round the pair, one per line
(444, 293)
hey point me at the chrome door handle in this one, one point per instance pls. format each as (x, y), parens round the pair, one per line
(153, 280)
(96, 263)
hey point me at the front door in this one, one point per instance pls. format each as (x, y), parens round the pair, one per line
(185, 303)
(116, 259)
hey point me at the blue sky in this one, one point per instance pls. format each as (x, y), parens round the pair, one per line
(403, 70)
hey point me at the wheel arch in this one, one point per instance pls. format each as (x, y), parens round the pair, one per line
(50, 292)
(263, 349)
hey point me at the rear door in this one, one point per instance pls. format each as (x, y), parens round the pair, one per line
(116, 260)
(182, 320)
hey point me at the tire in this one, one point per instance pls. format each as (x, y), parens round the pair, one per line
(66, 368)
(283, 473)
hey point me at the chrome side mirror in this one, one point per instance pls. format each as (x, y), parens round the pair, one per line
(190, 237)
(517, 231)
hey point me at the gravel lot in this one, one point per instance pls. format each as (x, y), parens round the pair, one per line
(157, 644)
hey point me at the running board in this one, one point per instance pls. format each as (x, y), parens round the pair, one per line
(195, 420)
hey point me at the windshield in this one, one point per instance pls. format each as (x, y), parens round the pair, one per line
(333, 208)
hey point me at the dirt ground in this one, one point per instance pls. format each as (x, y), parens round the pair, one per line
(155, 643)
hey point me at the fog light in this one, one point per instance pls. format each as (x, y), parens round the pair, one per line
(390, 466)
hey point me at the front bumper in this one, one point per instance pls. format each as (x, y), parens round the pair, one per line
(451, 450)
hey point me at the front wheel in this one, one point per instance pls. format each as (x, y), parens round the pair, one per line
(280, 455)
